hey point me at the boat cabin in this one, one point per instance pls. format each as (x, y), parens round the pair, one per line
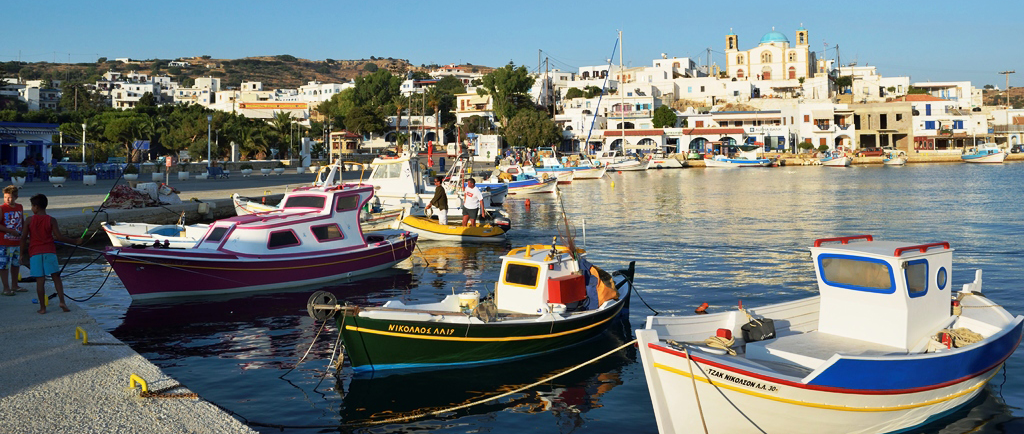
(884, 292)
(538, 279)
(305, 223)
(398, 174)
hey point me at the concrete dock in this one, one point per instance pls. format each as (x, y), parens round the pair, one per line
(52, 383)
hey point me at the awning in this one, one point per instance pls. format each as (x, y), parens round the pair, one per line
(1018, 120)
(822, 114)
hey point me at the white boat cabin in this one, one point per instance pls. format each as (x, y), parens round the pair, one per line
(539, 279)
(883, 291)
(310, 220)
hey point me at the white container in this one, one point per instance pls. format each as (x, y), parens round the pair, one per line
(131, 176)
(469, 300)
(266, 171)
(57, 181)
(300, 170)
(18, 181)
(279, 170)
(246, 173)
(89, 179)
(182, 176)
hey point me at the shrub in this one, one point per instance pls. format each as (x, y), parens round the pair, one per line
(183, 167)
(59, 171)
(246, 166)
(20, 173)
(131, 169)
(280, 165)
(805, 146)
(822, 148)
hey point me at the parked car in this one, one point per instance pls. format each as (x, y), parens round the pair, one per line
(870, 152)
(1016, 149)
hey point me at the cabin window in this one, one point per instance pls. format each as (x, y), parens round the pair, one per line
(940, 278)
(305, 202)
(216, 235)
(327, 232)
(523, 275)
(281, 239)
(347, 203)
(916, 273)
(388, 171)
(857, 273)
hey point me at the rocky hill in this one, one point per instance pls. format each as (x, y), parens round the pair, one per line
(998, 97)
(281, 71)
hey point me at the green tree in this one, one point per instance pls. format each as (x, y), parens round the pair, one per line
(573, 93)
(592, 91)
(916, 91)
(376, 91)
(509, 89)
(531, 128)
(370, 67)
(844, 82)
(146, 101)
(361, 120)
(281, 125)
(664, 116)
(476, 124)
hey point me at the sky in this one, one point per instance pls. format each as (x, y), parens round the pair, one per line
(935, 41)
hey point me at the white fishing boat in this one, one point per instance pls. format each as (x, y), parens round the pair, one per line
(983, 153)
(887, 346)
(894, 158)
(373, 220)
(665, 161)
(176, 236)
(746, 157)
(518, 182)
(835, 159)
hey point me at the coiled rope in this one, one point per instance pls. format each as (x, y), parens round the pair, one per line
(961, 336)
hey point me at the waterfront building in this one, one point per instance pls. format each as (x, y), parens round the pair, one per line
(19, 140)
(472, 104)
(960, 92)
(823, 123)
(940, 124)
(1008, 127)
(883, 125)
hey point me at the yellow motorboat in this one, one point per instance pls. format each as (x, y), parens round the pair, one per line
(430, 229)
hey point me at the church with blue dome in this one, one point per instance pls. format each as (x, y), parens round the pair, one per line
(774, 57)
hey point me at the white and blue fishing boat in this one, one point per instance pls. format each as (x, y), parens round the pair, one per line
(835, 159)
(983, 153)
(888, 345)
(518, 182)
(895, 158)
(746, 157)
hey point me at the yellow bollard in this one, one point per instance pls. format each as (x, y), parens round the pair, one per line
(135, 379)
(81, 334)
(613, 184)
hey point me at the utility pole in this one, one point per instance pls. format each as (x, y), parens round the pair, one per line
(1007, 74)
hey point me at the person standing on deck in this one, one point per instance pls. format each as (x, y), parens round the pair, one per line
(439, 201)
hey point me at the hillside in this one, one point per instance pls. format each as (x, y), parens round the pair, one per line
(282, 71)
(998, 97)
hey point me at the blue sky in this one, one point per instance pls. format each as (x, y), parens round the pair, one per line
(936, 41)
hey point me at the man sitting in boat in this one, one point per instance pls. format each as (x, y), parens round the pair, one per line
(440, 201)
(471, 209)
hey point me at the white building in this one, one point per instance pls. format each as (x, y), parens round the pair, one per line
(772, 59)
(960, 92)
(870, 87)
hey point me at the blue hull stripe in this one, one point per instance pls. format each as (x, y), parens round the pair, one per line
(920, 371)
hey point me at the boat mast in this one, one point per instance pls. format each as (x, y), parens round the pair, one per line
(622, 104)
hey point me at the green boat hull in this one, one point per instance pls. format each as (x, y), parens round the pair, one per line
(383, 344)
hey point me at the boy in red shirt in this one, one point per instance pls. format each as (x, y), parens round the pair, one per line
(13, 215)
(37, 243)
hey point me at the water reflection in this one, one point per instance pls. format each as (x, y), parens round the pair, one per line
(566, 398)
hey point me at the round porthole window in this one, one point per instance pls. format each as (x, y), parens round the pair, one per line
(940, 279)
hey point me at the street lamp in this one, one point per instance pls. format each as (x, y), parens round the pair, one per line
(83, 142)
(209, 120)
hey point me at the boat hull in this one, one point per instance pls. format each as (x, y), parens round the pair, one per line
(996, 158)
(453, 231)
(836, 162)
(898, 161)
(733, 162)
(157, 273)
(176, 237)
(589, 173)
(532, 185)
(387, 344)
(665, 163)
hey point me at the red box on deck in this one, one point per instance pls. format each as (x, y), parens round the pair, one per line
(567, 289)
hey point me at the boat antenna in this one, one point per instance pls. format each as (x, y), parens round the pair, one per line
(567, 231)
(601, 96)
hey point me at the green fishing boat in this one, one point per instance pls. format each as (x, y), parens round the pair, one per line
(547, 298)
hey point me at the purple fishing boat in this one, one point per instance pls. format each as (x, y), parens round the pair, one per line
(318, 243)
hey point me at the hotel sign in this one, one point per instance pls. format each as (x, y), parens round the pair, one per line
(272, 105)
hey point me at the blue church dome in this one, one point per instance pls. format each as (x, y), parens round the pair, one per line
(774, 36)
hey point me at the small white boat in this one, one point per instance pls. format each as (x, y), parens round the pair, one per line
(983, 153)
(895, 158)
(145, 234)
(747, 157)
(663, 161)
(835, 159)
(888, 345)
(634, 165)
(518, 182)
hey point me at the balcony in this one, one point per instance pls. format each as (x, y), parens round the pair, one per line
(1008, 128)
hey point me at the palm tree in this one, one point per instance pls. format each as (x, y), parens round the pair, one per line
(282, 124)
(400, 103)
(251, 138)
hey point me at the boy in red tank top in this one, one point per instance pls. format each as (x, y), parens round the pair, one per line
(38, 244)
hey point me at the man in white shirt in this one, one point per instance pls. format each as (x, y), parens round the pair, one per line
(471, 206)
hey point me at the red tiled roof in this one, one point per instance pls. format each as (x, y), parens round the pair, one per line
(700, 131)
(918, 97)
(634, 133)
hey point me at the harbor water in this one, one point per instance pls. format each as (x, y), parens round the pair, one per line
(697, 235)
